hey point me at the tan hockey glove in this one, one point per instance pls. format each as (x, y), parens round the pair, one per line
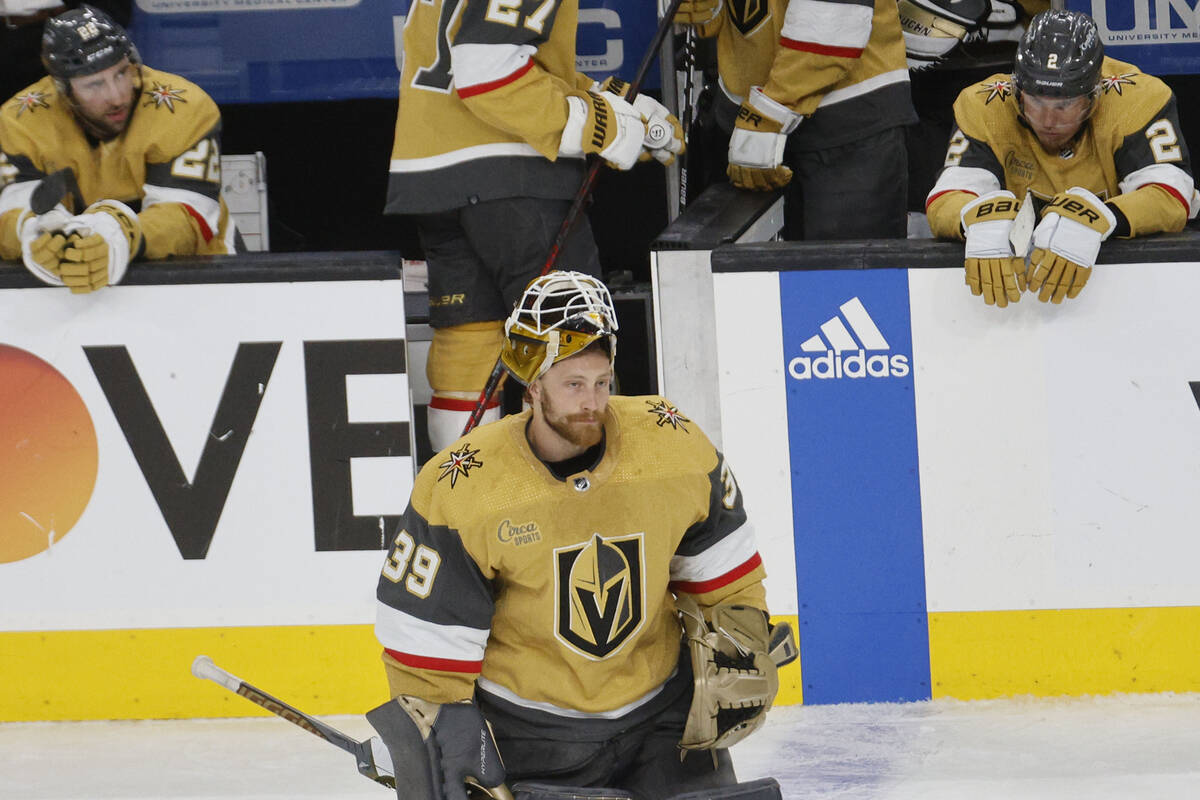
(42, 243)
(993, 270)
(933, 28)
(1066, 243)
(664, 133)
(735, 679)
(602, 123)
(100, 244)
(756, 145)
(698, 12)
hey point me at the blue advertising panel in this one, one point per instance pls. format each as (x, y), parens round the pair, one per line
(256, 51)
(856, 502)
(1162, 37)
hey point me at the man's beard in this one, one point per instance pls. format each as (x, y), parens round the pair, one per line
(581, 430)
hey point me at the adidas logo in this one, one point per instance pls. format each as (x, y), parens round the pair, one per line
(843, 355)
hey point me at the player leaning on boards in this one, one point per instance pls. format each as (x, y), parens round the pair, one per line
(1095, 142)
(491, 132)
(543, 573)
(106, 160)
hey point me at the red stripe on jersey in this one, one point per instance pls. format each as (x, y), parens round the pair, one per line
(821, 49)
(1174, 193)
(481, 88)
(929, 202)
(205, 231)
(440, 664)
(700, 587)
(454, 404)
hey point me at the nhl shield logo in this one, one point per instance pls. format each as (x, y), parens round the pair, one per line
(600, 594)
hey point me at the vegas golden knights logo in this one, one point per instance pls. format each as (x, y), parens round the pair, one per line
(746, 15)
(600, 593)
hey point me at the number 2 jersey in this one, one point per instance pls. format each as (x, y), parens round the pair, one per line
(1130, 153)
(166, 165)
(483, 89)
(558, 595)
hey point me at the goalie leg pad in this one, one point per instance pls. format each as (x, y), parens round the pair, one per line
(761, 789)
(437, 748)
(544, 791)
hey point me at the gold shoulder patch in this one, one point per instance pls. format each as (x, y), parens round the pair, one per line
(459, 463)
(999, 89)
(163, 95)
(668, 415)
(30, 101)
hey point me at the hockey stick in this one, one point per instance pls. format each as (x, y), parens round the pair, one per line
(374, 760)
(581, 195)
(53, 189)
(689, 79)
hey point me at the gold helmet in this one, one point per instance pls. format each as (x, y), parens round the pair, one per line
(560, 314)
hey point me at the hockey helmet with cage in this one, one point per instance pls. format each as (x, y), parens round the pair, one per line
(83, 41)
(560, 314)
(1060, 55)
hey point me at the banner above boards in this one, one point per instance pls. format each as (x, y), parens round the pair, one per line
(260, 51)
(1161, 37)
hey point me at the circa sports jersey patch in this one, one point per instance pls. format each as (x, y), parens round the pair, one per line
(460, 462)
(1113, 83)
(600, 594)
(163, 95)
(996, 90)
(30, 101)
(668, 415)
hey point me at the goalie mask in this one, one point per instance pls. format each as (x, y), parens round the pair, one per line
(560, 315)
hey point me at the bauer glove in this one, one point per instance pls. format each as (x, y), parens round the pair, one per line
(993, 270)
(602, 123)
(100, 244)
(698, 12)
(664, 133)
(756, 146)
(42, 243)
(1066, 243)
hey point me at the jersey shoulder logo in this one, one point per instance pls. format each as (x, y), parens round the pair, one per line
(599, 594)
(995, 90)
(1113, 83)
(30, 101)
(747, 15)
(163, 96)
(460, 463)
(668, 415)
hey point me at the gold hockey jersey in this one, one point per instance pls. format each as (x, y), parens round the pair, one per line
(483, 89)
(840, 63)
(558, 595)
(1130, 153)
(166, 164)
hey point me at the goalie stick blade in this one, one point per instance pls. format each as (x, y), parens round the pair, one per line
(373, 759)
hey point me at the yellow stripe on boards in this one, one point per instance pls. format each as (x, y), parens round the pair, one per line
(146, 673)
(979, 655)
(791, 686)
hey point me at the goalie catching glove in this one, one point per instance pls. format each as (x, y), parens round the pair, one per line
(993, 269)
(1066, 243)
(933, 28)
(100, 244)
(756, 145)
(664, 133)
(734, 675)
(438, 749)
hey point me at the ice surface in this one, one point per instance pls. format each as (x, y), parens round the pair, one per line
(1104, 748)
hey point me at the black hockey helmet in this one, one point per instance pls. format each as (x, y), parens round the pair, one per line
(84, 41)
(1060, 55)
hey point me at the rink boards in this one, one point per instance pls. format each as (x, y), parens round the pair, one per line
(960, 500)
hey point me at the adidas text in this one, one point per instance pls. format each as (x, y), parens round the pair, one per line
(856, 365)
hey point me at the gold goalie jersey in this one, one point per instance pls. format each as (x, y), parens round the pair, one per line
(483, 89)
(166, 164)
(558, 595)
(1130, 153)
(839, 63)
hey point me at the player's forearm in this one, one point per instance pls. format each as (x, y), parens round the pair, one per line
(10, 244)
(433, 685)
(944, 214)
(171, 230)
(1150, 209)
(526, 101)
